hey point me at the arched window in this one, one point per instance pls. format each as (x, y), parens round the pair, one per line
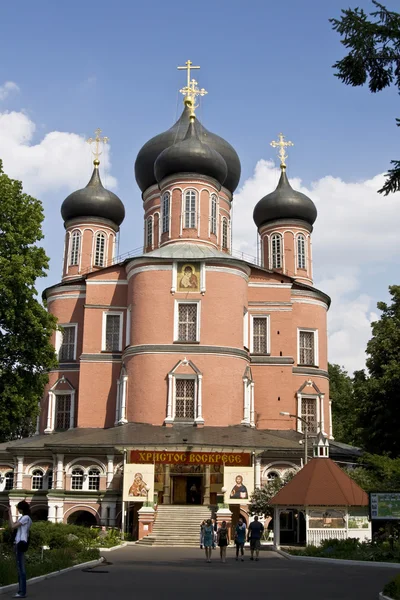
(37, 479)
(94, 479)
(272, 475)
(165, 213)
(149, 233)
(276, 248)
(225, 233)
(75, 248)
(213, 228)
(77, 479)
(100, 249)
(301, 251)
(50, 479)
(190, 209)
(9, 484)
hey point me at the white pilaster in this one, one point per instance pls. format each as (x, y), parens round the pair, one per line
(118, 402)
(252, 414)
(246, 407)
(110, 469)
(322, 414)
(52, 513)
(19, 478)
(123, 418)
(59, 475)
(169, 418)
(199, 418)
(330, 421)
(299, 427)
(50, 406)
(258, 472)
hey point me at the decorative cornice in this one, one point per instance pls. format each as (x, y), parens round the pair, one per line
(271, 360)
(95, 220)
(102, 357)
(184, 349)
(310, 371)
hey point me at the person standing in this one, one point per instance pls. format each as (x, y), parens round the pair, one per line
(240, 538)
(22, 525)
(208, 539)
(223, 540)
(202, 525)
(254, 535)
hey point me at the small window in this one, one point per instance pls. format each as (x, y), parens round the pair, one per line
(260, 335)
(187, 322)
(184, 398)
(149, 240)
(63, 412)
(75, 249)
(190, 209)
(225, 233)
(276, 249)
(213, 228)
(50, 479)
(272, 475)
(94, 479)
(9, 481)
(307, 348)
(301, 251)
(165, 213)
(112, 342)
(37, 479)
(309, 413)
(67, 348)
(77, 479)
(100, 249)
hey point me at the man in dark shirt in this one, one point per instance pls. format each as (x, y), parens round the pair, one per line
(255, 532)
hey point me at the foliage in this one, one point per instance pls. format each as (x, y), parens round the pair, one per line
(392, 589)
(352, 549)
(25, 326)
(260, 498)
(377, 473)
(374, 45)
(344, 408)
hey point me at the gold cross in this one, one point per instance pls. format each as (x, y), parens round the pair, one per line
(191, 92)
(97, 141)
(282, 144)
(189, 65)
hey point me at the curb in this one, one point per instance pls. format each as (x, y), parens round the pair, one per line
(382, 597)
(341, 562)
(114, 547)
(13, 586)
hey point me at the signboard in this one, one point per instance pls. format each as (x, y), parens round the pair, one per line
(239, 484)
(384, 505)
(190, 458)
(138, 483)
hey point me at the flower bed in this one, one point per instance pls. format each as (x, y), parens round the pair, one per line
(351, 549)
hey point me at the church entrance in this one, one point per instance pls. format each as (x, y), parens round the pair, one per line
(187, 489)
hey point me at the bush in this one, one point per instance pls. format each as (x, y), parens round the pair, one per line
(392, 589)
(352, 549)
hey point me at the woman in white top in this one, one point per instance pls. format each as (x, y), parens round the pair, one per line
(22, 525)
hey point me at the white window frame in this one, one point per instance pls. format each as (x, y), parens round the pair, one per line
(71, 414)
(245, 327)
(176, 320)
(224, 224)
(166, 201)
(59, 338)
(3, 484)
(40, 470)
(196, 394)
(316, 399)
(103, 256)
(93, 468)
(301, 255)
(316, 348)
(187, 215)
(103, 335)
(85, 478)
(77, 467)
(274, 255)
(73, 251)
(51, 410)
(260, 316)
(213, 217)
(150, 232)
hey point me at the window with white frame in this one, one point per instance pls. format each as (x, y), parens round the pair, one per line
(37, 479)
(112, 332)
(77, 479)
(100, 249)
(309, 413)
(185, 398)
(94, 479)
(259, 334)
(301, 251)
(165, 212)
(308, 347)
(67, 349)
(190, 209)
(9, 481)
(187, 322)
(149, 232)
(225, 233)
(276, 251)
(62, 413)
(213, 224)
(75, 248)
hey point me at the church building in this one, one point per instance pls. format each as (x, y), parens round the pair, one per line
(186, 374)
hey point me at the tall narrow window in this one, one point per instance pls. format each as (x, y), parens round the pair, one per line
(184, 398)
(224, 233)
(112, 333)
(37, 479)
(309, 413)
(50, 479)
(100, 249)
(9, 477)
(213, 227)
(306, 347)
(165, 213)
(276, 249)
(75, 248)
(190, 209)
(301, 251)
(67, 348)
(187, 322)
(149, 232)
(62, 420)
(77, 479)
(260, 332)
(94, 479)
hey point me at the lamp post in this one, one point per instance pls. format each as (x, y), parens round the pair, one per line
(287, 414)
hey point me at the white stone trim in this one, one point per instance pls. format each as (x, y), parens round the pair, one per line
(59, 338)
(176, 319)
(65, 297)
(257, 284)
(103, 329)
(316, 346)
(229, 271)
(265, 316)
(313, 302)
(51, 409)
(107, 282)
(136, 270)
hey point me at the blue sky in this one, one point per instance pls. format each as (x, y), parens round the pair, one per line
(267, 67)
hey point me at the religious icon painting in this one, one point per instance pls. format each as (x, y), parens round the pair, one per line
(138, 483)
(188, 277)
(239, 484)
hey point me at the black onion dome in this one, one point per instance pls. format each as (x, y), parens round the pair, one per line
(93, 201)
(147, 156)
(284, 203)
(190, 156)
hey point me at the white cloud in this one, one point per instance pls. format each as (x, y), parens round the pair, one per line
(60, 161)
(355, 239)
(7, 88)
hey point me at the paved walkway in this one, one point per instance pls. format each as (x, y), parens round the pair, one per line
(180, 573)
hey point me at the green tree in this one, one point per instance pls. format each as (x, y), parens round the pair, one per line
(260, 498)
(344, 408)
(25, 326)
(374, 44)
(377, 473)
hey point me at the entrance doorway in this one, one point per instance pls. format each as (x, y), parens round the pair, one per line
(186, 489)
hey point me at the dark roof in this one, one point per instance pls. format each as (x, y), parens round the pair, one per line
(321, 483)
(147, 156)
(190, 156)
(284, 203)
(93, 201)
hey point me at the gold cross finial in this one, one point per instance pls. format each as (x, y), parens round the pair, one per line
(189, 65)
(97, 141)
(282, 144)
(191, 91)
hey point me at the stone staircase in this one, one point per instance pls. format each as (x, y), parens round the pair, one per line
(177, 526)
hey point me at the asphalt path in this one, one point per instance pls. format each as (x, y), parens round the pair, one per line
(181, 573)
